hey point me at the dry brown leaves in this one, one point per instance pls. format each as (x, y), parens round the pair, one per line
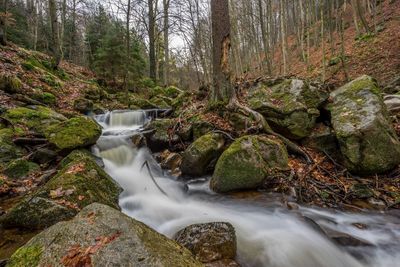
(59, 192)
(80, 167)
(79, 256)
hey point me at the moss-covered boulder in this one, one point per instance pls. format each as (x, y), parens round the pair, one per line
(74, 133)
(34, 118)
(8, 150)
(10, 83)
(172, 91)
(162, 135)
(83, 105)
(20, 168)
(160, 102)
(45, 98)
(76, 185)
(366, 136)
(201, 156)
(248, 162)
(209, 242)
(112, 238)
(290, 106)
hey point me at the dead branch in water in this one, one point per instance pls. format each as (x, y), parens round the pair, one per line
(152, 177)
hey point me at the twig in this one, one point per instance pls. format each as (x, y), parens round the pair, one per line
(224, 133)
(152, 177)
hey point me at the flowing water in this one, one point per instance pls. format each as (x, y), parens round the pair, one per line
(267, 234)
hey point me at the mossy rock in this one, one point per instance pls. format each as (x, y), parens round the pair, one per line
(172, 91)
(290, 106)
(10, 84)
(8, 150)
(78, 155)
(209, 242)
(160, 103)
(248, 162)
(74, 133)
(363, 128)
(161, 137)
(123, 241)
(323, 139)
(201, 156)
(20, 168)
(45, 98)
(35, 118)
(83, 105)
(144, 103)
(76, 185)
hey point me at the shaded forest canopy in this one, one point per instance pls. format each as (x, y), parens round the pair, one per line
(170, 41)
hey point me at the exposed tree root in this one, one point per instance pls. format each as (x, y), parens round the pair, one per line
(235, 106)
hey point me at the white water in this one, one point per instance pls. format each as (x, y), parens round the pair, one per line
(267, 235)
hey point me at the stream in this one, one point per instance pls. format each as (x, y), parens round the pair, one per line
(268, 234)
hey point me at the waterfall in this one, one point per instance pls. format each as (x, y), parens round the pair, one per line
(266, 236)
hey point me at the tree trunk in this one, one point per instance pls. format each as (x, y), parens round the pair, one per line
(152, 41)
(222, 89)
(128, 46)
(3, 25)
(166, 41)
(54, 42)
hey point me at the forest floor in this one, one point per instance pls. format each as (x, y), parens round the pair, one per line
(376, 54)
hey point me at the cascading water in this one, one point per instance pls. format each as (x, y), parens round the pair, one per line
(266, 236)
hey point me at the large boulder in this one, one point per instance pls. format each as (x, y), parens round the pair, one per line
(290, 106)
(83, 105)
(77, 184)
(248, 162)
(201, 156)
(74, 133)
(101, 236)
(33, 118)
(209, 242)
(366, 136)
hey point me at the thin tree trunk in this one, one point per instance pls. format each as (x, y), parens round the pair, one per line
(166, 41)
(152, 49)
(222, 89)
(55, 44)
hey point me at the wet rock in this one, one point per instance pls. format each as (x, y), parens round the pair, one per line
(201, 156)
(248, 162)
(290, 106)
(74, 133)
(172, 161)
(163, 135)
(346, 240)
(83, 105)
(366, 136)
(139, 141)
(20, 168)
(223, 263)
(10, 84)
(113, 238)
(77, 184)
(393, 87)
(209, 242)
(36, 118)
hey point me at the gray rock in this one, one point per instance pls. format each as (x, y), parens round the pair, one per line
(366, 136)
(289, 106)
(101, 236)
(201, 156)
(209, 242)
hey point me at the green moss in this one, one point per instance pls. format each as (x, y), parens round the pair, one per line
(74, 133)
(8, 150)
(20, 168)
(37, 118)
(10, 83)
(247, 162)
(45, 98)
(172, 91)
(27, 256)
